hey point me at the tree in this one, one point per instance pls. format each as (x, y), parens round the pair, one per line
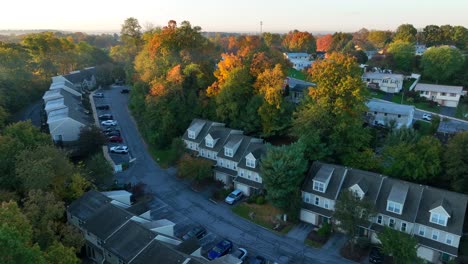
(324, 42)
(271, 40)
(59, 254)
(441, 63)
(405, 33)
(379, 38)
(90, 141)
(351, 212)
(98, 170)
(400, 245)
(269, 83)
(333, 115)
(460, 37)
(297, 41)
(403, 55)
(283, 171)
(340, 40)
(432, 35)
(456, 162)
(194, 168)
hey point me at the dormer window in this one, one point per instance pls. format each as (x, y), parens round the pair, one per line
(250, 163)
(209, 143)
(394, 207)
(191, 134)
(228, 152)
(319, 186)
(438, 219)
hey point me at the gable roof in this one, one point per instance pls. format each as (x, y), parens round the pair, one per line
(439, 88)
(201, 135)
(334, 185)
(219, 133)
(231, 141)
(390, 108)
(85, 206)
(157, 252)
(454, 202)
(297, 85)
(106, 220)
(381, 76)
(369, 181)
(257, 149)
(398, 193)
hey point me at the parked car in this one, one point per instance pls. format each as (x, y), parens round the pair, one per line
(119, 149)
(109, 123)
(125, 91)
(427, 117)
(112, 133)
(221, 249)
(105, 117)
(376, 256)
(98, 95)
(233, 197)
(258, 260)
(240, 253)
(197, 232)
(102, 107)
(117, 139)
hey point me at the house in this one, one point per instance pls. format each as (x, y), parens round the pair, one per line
(85, 78)
(65, 124)
(113, 234)
(381, 113)
(295, 89)
(59, 82)
(300, 61)
(433, 216)
(235, 156)
(387, 82)
(419, 49)
(444, 95)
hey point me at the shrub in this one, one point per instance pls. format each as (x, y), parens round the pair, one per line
(252, 199)
(325, 230)
(260, 200)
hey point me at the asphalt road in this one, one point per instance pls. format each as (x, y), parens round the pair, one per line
(176, 201)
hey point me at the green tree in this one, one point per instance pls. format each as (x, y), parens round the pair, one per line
(98, 170)
(400, 245)
(90, 141)
(441, 63)
(283, 171)
(405, 33)
(59, 254)
(403, 55)
(460, 37)
(333, 115)
(194, 168)
(432, 35)
(351, 212)
(339, 42)
(456, 162)
(379, 38)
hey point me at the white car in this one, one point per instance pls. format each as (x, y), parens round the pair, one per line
(119, 149)
(233, 197)
(99, 95)
(240, 253)
(427, 117)
(109, 123)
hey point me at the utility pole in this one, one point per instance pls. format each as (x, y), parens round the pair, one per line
(261, 25)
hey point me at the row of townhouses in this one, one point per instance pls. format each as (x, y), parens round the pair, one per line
(433, 216)
(117, 232)
(65, 113)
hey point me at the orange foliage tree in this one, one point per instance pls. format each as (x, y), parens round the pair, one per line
(324, 42)
(297, 41)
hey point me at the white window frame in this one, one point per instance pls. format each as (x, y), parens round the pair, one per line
(228, 152)
(317, 200)
(326, 204)
(209, 143)
(438, 219)
(405, 227)
(379, 219)
(449, 239)
(250, 163)
(422, 231)
(435, 233)
(319, 186)
(191, 134)
(241, 173)
(390, 221)
(394, 207)
(307, 197)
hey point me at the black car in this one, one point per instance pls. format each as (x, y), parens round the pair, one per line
(102, 107)
(112, 133)
(197, 232)
(106, 117)
(125, 91)
(376, 256)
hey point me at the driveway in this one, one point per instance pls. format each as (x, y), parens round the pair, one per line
(178, 199)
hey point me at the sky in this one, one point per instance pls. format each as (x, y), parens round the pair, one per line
(233, 15)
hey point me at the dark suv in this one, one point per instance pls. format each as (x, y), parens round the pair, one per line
(376, 256)
(102, 107)
(197, 232)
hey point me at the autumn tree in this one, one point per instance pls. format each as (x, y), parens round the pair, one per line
(271, 40)
(405, 33)
(196, 169)
(332, 118)
(456, 162)
(297, 41)
(225, 66)
(441, 63)
(340, 41)
(379, 38)
(400, 245)
(324, 42)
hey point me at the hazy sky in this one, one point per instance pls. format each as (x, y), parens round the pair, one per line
(232, 15)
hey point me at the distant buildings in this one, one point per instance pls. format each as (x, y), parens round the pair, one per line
(381, 113)
(444, 95)
(295, 89)
(300, 61)
(386, 82)
(419, 49)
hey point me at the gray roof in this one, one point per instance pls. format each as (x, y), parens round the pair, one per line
(225, 171)
(201, 135)
(390, 108)
(438, 245)
(324, 173)
(157, 252)
(317, 209)
(447, 126)
(454, 202)
(411, 201)
(248, 182)
(398, 193)
(369, 182)
(258, 150)
(106, 220)
(81, 75)
(231, 142)
(216, 132)
(378, 75)
(188, 246)
(85, 206)
(129, 240)
(334, 185)
(298, 85)
(439, 88)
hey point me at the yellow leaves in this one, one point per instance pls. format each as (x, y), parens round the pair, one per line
(174, 75)
(225, 67)
(157, 89)
(270, 84)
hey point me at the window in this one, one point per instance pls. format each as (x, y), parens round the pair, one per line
(385, 114)
(394, 207)
(326, 204)
(307, 197)
(249, 174)
(241, 173)
(234, 166)
(375, 113)
(319, 186)
(444, 94)
(449, 239)
(438, 219)
(403, 227)
(250, 163)
(379, 219)
(191, 134)
(391, 223)
(209, 154)
(203, 152)
(399, 116)
(221, 162)
(435, 234)
(209, 143)
(228, 152)
(317, 200)
(422, 230)
(453, 94)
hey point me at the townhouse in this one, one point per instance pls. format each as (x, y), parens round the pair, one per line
(299, 61)
(116, 232)
(386, 82)
(433, 216)
(383, 113)
(236, 157)
(444, 95)
(295, 89)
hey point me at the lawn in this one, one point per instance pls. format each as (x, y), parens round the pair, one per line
(162, 156)
(462, 110)
(420, 105)
(296, 74)
(424, 127)
(264, 215)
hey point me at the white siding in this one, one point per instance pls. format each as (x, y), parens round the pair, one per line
(243, 188)
(308, 216)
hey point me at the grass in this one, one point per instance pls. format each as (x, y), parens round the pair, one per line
(296, 74)
(162, 156)
(312, 243)
(419, 105)
(425, 128)
(462, 110)
(264, 214)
